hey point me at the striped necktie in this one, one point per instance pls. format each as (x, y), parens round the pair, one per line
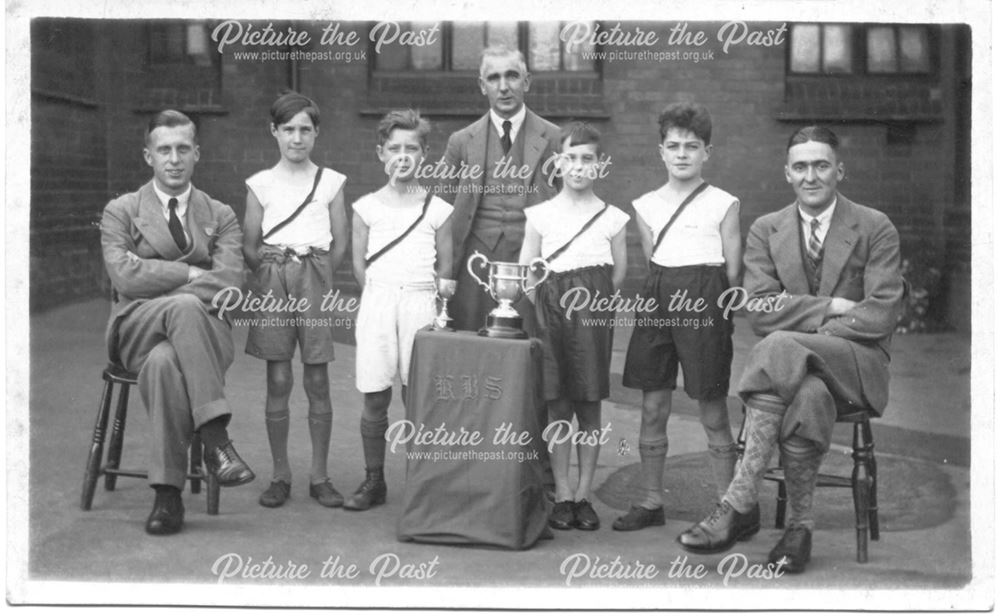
(814, 247)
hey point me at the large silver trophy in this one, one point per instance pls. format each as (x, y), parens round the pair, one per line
(507, 284)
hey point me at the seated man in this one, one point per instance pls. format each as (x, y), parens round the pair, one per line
(169, 248)
(832, 269)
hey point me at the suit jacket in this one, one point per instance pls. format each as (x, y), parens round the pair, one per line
(468, 145)
(860, 263)
(144, 262)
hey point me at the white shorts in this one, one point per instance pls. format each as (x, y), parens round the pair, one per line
(388, 320)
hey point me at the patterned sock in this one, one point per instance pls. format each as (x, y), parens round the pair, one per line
(762, 431)
(277, 435)
(213, 432)
(723, 458)
(373, 441)
(320, 426)
(652, 459)
(800, 459)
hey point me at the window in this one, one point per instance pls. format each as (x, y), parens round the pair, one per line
(179, 43)
(182, 70)
(457, 47)
(845, 49)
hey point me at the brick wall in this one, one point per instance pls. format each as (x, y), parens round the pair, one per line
(906, 168)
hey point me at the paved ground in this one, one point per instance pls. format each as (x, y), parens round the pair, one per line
(923, 447)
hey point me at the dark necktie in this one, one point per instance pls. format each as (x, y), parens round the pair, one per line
(505, 140)
(176, 229)
(814, 246)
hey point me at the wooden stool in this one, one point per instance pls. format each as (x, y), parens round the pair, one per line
(862, 482)
(116, 375)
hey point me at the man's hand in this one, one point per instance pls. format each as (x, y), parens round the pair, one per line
(839, 306)
(194, 272)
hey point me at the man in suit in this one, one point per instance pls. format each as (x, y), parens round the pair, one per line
(830, 267)
(510, 151)
(168, 249)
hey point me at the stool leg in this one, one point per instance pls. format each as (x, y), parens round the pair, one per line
(861, 484)
(93, 469)
(873, 472)
(779, 505)
(741, 440)
(117, 436)
(196, 463)
(212, 494)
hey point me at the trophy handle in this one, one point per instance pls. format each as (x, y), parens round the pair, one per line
(531, 266)
(478, 256)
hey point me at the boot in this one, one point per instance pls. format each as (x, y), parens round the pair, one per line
(371, 492)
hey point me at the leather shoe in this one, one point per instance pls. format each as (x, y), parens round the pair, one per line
(793, 551)
(167, 517)
(638, 518)
(584, 516)
(276, 494)
(371, 492)
(563, 515)
(326, 494)
(720, 530)
(227, 466)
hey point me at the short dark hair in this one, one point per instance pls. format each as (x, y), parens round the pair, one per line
(820, 134)
(290, 104)
(686, 116)
(580, 133)
(406, 119)
(170, 118)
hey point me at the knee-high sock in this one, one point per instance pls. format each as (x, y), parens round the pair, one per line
(800, 460)
(373, 441)
(320, 426)
(277, 436)
(763, 429)
(723, 465)
(652, 459)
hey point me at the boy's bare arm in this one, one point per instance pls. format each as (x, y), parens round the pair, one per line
(645, 238)
(338, 229)
(359, 246)
(252, 221)
(732, 245)
(442, 243)
(619, 253)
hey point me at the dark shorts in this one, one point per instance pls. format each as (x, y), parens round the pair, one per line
(274, 335)
(700, 341)
(576, 348)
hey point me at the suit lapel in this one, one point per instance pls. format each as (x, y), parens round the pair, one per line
(788, 255)
(200, 226)
(477, 144)
(534, 141)
(153, 225)
(838, 244)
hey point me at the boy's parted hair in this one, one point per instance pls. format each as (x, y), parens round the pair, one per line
(580, 133)
(406, 119)
(686, 116)
(290, 104)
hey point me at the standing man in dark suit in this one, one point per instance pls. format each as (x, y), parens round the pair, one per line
(831, 268)
(169, 249)
(513, 149)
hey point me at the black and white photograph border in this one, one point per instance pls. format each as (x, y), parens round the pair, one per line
(84, 78)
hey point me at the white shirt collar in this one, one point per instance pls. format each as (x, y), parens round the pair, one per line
(516, 121)
(182, 201)
(823, 217)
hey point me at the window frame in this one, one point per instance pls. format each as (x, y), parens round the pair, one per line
(859, 52)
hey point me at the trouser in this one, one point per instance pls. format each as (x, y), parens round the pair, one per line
(181, 354)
